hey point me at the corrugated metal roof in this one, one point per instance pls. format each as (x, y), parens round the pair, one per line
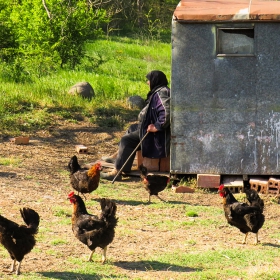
(227, 10)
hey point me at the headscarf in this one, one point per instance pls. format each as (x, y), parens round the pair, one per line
(157, 79)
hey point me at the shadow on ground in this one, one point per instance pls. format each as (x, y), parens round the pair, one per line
(271, 245)
(153, 265)
(8, 174)
(153, 201)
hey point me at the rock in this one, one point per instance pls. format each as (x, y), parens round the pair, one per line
(83, 89)
(136, 101)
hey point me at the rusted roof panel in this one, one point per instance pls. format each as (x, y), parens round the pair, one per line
(226, 10)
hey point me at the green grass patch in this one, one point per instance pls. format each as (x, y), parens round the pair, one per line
(191, 214)
(56, 242)
(61, 212)
(11, 161)
(233, 263)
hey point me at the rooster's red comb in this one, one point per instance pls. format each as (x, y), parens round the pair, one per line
(221, 187)
(70, 194)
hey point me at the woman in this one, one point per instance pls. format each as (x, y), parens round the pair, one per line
(154, 118)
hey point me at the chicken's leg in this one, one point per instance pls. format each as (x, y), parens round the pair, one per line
(90, 256)
(104, 255)
(13, 265)
(245, 237)
(18, 269)
(257, 239)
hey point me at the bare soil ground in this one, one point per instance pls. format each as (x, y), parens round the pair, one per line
(40, 181)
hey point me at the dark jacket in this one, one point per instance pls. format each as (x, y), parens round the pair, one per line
(157, 112)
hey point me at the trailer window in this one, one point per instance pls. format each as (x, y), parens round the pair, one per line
(235, 42)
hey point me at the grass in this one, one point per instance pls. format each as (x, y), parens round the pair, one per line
(11, 161)
(116, 68)
(191, 214)
(218, 264)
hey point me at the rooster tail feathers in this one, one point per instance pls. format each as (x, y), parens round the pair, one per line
(30, 217)
(254, 199)
(73, 164)
(109, 209)
(251, 194)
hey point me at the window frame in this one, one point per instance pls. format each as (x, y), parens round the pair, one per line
(219, 54)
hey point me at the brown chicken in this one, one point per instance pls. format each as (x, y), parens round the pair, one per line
(19, 240)
(81, 179)
(153, 183)
(92, 230)
(247, 218)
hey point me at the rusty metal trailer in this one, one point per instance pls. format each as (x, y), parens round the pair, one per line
(225, 88)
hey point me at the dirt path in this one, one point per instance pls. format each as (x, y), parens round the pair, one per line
(38, 178)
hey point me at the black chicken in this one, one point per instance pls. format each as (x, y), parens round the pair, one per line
(19, 240)
(153, 183)
(74, 165)
(247, 218)
(92, 230)
(254, 199)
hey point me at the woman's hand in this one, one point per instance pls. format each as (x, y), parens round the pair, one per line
(151, 128)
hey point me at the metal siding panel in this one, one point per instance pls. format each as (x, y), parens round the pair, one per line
(225, 111)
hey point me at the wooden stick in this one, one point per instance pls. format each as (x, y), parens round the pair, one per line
(130, 157)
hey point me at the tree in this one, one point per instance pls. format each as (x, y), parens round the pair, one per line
(55, 29)
(142, 16)
(38, 35)
(7, 38)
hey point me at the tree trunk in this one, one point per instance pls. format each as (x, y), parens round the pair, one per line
(139, 12)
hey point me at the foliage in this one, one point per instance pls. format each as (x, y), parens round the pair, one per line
(71, 27)
(146, 18)
(38, 37)
(6, 34)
